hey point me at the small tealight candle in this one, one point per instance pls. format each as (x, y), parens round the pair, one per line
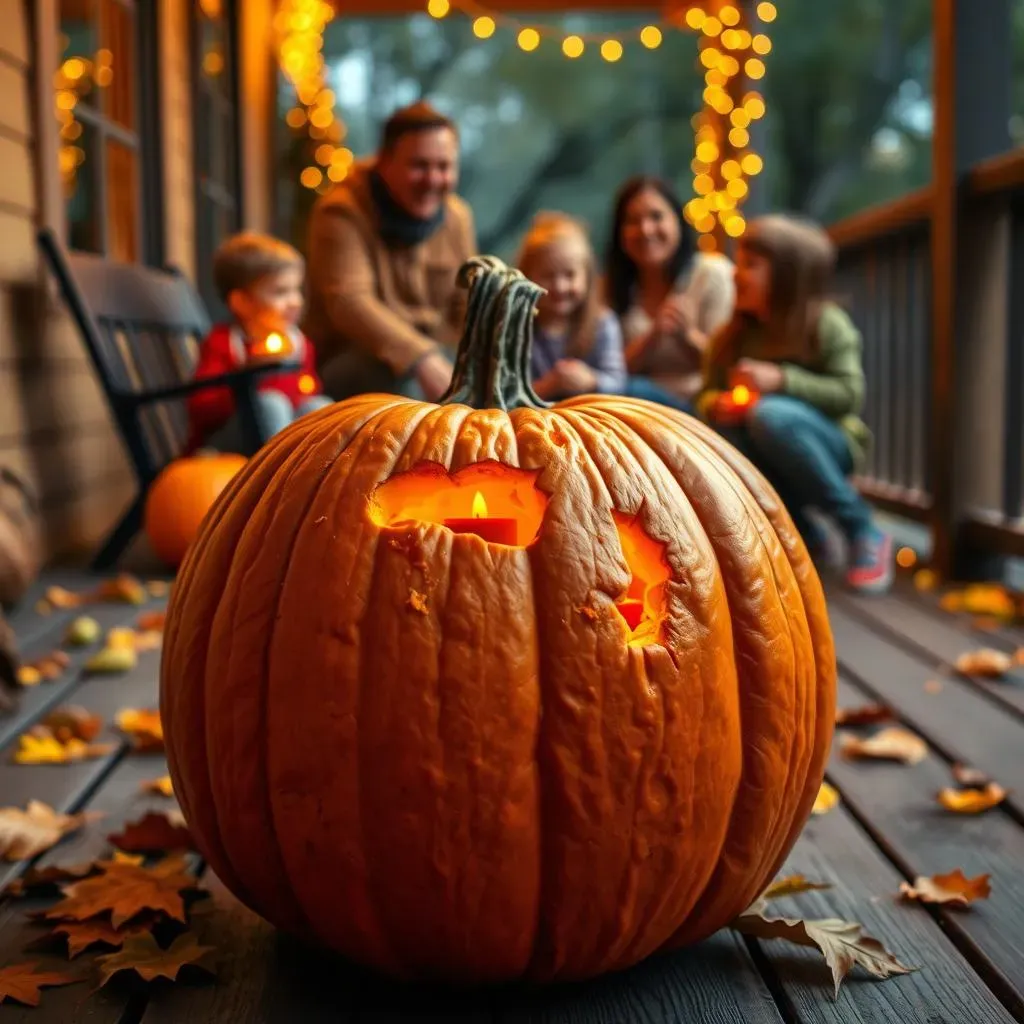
(742, 396)
(493, 529)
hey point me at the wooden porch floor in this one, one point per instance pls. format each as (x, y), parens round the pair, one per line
(887, 828)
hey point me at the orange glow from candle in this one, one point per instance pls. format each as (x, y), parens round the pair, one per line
(479, 506)
(307, 385)
(274, 343)
(741, 395)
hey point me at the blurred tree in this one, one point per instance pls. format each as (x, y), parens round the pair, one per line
(849, 111)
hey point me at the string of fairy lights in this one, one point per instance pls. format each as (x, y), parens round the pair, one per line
(730, 53)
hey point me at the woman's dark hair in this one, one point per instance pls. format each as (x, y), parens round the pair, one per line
(620, 270)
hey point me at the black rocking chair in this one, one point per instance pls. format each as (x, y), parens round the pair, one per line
(142, 328)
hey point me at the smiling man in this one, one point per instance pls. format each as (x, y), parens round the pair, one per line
(384, 249)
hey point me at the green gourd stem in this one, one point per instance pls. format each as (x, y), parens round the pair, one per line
(492, 367)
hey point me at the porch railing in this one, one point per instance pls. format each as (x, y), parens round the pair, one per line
(885, 278)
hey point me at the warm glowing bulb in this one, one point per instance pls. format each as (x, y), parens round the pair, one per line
(707, 152)
(307, 385)
(710, 57)
(740, 118)
(650, 36)
(572, 46)
(324, 153)
(906, 558)
(703, 184)
(739, 137)
(731, 169)
(762, 45)
(737, 188)
(479, 506)
(711, 26)
(753, 104)
(438, 8)
(752, 164)
(735, 226)
(754, 68)
(766, 11)
(707, 243)
(274, 342)
(611, 50)
(483, 27)
(729, 16)
(311, 177)
(741, 395)
(295, 118)
(695, 17)
(528, 39)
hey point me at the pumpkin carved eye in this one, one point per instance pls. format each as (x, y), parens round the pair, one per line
(643, 606)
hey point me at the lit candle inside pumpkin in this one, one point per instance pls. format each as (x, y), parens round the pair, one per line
(632, 610)
(493, 529)
(274, 344)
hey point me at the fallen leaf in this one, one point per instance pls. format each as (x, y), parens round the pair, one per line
(986, 624)
(158, 588)
(964, 775)
(36, 879)
(892, 744)
(40, 746)
(49, 667)
(953, 888)
(72, 722)
(27, 833)
(81, 935)
(151, 622)
(792, 885)
(120, 638)
(58, 597)
(827, 798)
(972, 801)
(121, 588)
(867, 714)
(926, 580)
(843, 943)
(82, 632)
(933, 686)
(162, 786)
(981, 599)
(21, 982)
(144, 727)
(43, 607)
(111, 660)
(142, 955)
(125, 890)
(984, 662)
(155, 832)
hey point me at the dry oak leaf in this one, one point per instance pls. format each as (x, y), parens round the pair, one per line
(985, 662)
(151, 622)
(126, 890)
(155, 832)
(843, 943)
(972, 801)
(827, 798)
(161, 786)
(143, 725)
(21, 982)
(81, 935)
(866, 714)
(45, 878)
(954, 888)
(892, 744)
(27, 833)
(142, 955)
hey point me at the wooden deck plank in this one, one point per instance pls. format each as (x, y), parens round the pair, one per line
(36, 701)
(959, 721)
(27, 623)
(267, 978)
(66, 786)
(121, 800)
(911, 625)
(834, 849)
(896, 804)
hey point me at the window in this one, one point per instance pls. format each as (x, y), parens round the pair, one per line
(215, 123)
(109, 162)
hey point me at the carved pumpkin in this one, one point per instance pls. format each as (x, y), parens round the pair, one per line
(545, 755)
(181, 496)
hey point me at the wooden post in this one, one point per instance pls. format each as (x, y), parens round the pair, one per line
(971, 90)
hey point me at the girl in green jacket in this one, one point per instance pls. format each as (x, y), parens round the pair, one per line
(799, 357)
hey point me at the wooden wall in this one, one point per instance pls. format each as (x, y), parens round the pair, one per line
(54, 424)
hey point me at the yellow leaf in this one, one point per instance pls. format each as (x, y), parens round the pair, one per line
(29, 675)
(162, 786)
(972, 801)
(792, 885)
(984, 662)
(893, 744)
(827, 798)
(82, 632)
(27, 833)
(113, 659)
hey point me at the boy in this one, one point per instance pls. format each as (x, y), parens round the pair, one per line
(260, 280)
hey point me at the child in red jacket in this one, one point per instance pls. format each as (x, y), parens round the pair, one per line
(260, 280)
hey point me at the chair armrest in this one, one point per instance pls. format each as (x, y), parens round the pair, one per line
(232, 380)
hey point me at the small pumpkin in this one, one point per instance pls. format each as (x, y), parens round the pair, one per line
(476, 761)
(181, 496)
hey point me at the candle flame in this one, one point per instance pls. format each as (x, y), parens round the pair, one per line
(307, 385)
(274, 342)
(741, 394)
(479, 506)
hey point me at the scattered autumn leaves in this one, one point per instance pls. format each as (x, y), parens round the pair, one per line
(135, 915)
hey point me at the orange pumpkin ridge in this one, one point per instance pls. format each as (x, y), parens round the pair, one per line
(450, 758)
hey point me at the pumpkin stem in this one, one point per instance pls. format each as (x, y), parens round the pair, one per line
(492, 368)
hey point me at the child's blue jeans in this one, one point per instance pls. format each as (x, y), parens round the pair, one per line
(806, 458)
(274, 412)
